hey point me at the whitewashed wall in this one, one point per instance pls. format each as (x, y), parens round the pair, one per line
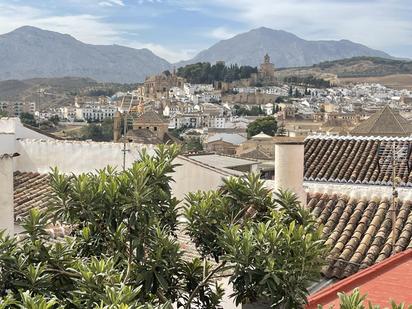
(14, 125)
(6, 193)
(38, 155)
(357, 191)
(192, 176)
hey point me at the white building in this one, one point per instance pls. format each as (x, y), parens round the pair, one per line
(15, 108)
(95, 112)
(166, 111)
(268, 108)
(68, 112)
(194, 120)
(245, 89)
(217, 122)
(191, 89)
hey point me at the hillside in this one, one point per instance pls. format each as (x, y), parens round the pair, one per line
(389, 72)
(55, 92)
(353, 67)
(365, 66)
(29, 52)
(284, 48)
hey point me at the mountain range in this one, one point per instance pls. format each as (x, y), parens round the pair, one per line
(30, 52)
(284, 48)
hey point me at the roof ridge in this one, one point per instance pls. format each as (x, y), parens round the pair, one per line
(379, 115)
(359, 137)
(397, 120)
(386, 121)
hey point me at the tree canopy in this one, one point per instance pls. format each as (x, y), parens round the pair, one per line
(267, 125)
(98, 131)
(205, 73)
(27, 118)
(123, 250)
(308, 81)
(243, 111)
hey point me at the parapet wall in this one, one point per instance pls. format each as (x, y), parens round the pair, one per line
(39, 155)
(13, 125)
(79, 157)
(358, 191)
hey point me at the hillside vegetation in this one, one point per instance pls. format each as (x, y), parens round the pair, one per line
(365, 66)
(394, 73)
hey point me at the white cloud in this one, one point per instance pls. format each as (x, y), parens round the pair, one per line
(221, 33)
(112, 3)
(86, 28)
(149, 1)
(170, 54)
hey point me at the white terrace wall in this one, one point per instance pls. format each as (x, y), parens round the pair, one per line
(357, 191)
(14, 125)
(39, 155)
(192, 176)
(78, 157)
(6, 193)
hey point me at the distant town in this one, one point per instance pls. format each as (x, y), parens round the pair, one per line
(210, 111)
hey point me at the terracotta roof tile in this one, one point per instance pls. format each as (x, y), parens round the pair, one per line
(30, 190)
(150, 117)
(385, 122)
(354, 160)
(359, 232)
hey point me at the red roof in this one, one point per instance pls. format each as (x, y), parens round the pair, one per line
(390, 279)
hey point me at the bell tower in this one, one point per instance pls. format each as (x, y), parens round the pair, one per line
(266, 59)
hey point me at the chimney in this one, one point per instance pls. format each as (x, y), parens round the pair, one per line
(7, 152)
(117, 123)
(289, 155)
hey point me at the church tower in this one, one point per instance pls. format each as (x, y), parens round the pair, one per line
(267, 69)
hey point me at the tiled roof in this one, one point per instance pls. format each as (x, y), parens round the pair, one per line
(349, 159)
(150, 117)
(30, 190)
(232, 138)
(143, 136)
(385, 122)
(262, 135)
(359, 232)
(256, 153)
(148, 137)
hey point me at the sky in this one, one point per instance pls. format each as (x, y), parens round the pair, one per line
(178, 29)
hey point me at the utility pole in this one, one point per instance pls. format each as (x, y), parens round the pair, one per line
(124, 140)
(38, 103)
(125, 130)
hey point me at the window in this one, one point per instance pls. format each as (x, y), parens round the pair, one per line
(155, 128)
